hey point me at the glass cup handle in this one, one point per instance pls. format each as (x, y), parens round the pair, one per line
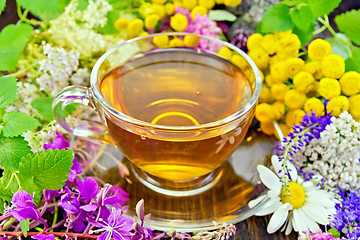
(81, 128)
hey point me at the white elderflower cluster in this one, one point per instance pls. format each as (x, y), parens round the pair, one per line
(56, 69)
(335, 155)
(26, 94)
(77, 30)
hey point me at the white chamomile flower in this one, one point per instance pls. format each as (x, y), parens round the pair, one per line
(304, 208)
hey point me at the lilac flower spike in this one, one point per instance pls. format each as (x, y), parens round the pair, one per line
(116, 226)
(44, 237)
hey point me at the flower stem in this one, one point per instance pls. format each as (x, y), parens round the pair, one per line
(5, 216)
(23, 18)
(56, 234)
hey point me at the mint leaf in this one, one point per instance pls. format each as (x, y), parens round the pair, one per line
(109, 27)
(5, 193)
(44, 9)
(13, 39)
(338, 47)
(305, 36)
(302, 17)
(348, 23)
(320, 8)
(25, 226)
(47, 169)
(8, 90)
(276, 19)
(16, 123)
(11, 152)
(2, 5)
(9, 180)
(221, 15)
(353, 63)
(44, 107)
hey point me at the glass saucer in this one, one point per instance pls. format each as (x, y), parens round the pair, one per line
(225, 202)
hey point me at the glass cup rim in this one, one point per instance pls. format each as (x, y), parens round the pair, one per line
(101, 100)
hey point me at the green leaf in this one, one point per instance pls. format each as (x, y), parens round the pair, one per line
(2, 5)
(276, 19)
(16, 123)
(338, 47)
(353, 63)
(8, 90)
(44, 107)
(305, 36)
(9, 180)
(45, 9)
(8, 59)
(2, 202)
(5, 193)
(48, 169)
(335, 233)
(11, 152)
(320, 8)
(24, 224)
(221, 15)
(109, 27)
(82, 4)
(348, 23)
(302, 17)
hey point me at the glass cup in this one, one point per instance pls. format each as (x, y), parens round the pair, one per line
(176, 104)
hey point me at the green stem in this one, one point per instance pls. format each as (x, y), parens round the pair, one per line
(23, 18)
(12, 177)
(55, 216)
(23, 71)
(9, 223)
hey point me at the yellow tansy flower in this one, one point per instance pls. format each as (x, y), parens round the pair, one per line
(267, 128)
(269, 82)
(135, 27)
(189, 4)
(145, 9)
(278, 72)
(329, 88)
(158, 9)
(314, 68)
(232, 3)
(225, 52)
(304, 82)
(269, 43)
(176, 42)
(350, 83)
(179, 22)
(260, 57)
(191, 41)
(294, 99)
(279, 90)
(121, 23)
(337, 105)
(264, 112)
(333, 66)
(284, 129)
(294, 117)
(151, 21)
(201, 10)
(279, 109)
(219, 1)
(314, 105)
(254, 41)
(158, 1)
(161, 41)
(318, 49)
(169, 9)
(354, 108)
(289, 46)
(209, 4)
(294, 66)
(265, 95)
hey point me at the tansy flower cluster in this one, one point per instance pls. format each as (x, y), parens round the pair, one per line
(294, 86)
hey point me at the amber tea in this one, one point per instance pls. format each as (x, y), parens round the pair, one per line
(177, 87)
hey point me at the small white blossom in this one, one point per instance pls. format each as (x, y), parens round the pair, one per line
(27, 93)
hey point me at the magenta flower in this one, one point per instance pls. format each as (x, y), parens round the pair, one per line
(43, 237)
(116, 226)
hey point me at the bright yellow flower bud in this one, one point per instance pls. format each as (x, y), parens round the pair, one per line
(169, 9)
(121, 23)
(294, 66)
(329, 88)
(151, 21)
(294, 99)
(264, 113)
(232, 3)
(279, 90)
(260, 57)
(350, 83)
(269, 43)
(239, 61)
(208, 4)
(314, 105)
(191, 41)
(225, 52)
(284, 129)
(337, 105)
(304, 82)
(189, 4)
(314, 68)
(289, 45)
(159, 10)
(219, 1)
(158, 1)
(267, 128)
(161, 41)
(333, 66)
(279, 109)
(135, 27)
(265, 95)
(176, 42)
(294, 117)
(179, 22)
(278, 72)
(201, 10)
(354, 108)
(318, 49)
(254, 41)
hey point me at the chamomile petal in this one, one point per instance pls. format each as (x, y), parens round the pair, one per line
(268, 178)
(256, 201)
(278, 218)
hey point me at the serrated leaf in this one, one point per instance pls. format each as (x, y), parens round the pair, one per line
(305, 36)
(276, 19)
(44, 107)
(2, 5)
(109, 27)
(45, 9)
(25, 224)
(302, 17)
(48, 169)
(8, 90)
(5, 193)
(11, 152)
(16, 123)
(338, 47)
(348, 23)
(353, 63)
(221, 15)
(320, 8)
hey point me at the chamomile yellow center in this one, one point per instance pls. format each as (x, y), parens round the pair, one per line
(294, 194)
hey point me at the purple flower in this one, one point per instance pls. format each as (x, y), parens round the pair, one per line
(319, 235)
(43, 237)
(240, 39)
(25, 207)
(88, 189)
(113, 196)
(116, 226)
